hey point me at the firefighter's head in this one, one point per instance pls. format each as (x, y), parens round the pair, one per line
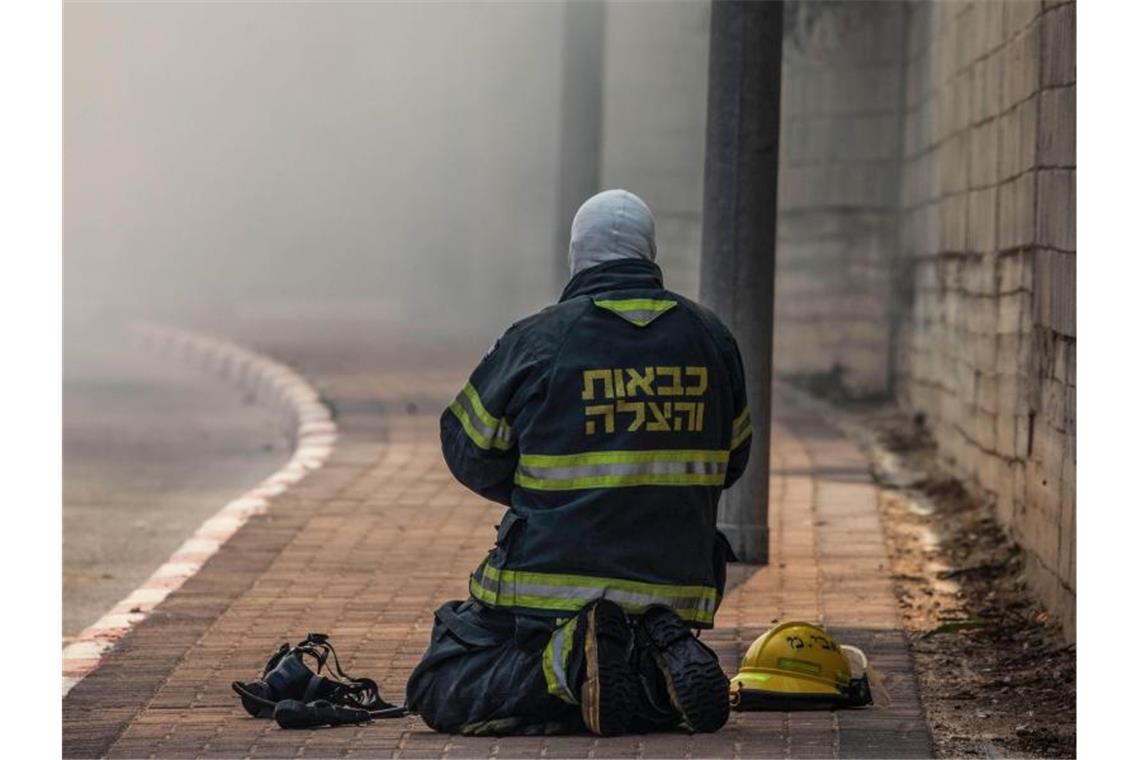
(613, 225)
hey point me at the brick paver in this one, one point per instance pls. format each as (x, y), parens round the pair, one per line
(367, 548)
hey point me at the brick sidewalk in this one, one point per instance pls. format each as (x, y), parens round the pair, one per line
(366, 548)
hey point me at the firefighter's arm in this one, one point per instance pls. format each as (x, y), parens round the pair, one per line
(741, 441)
(475, 429)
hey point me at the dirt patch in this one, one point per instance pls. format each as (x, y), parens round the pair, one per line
(997, 678)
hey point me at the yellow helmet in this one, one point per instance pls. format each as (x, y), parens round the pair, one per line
(799, 665)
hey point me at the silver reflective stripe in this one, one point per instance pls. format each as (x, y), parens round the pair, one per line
(476, 421)
(639, 311)
(556, 658)
(640, 317)
(622, 468)
(509, 588)
(628, 599)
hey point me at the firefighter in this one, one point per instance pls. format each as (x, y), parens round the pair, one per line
(608, 424)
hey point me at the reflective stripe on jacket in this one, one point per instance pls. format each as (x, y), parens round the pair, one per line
(609, 423)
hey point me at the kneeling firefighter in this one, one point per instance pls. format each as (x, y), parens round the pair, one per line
(608, 424)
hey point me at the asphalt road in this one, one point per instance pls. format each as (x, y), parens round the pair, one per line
(151, 449)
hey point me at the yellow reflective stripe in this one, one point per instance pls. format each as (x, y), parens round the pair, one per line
(636, 304)
(555, 657)
(620, 481)
(624, 456)
(562, 579)
(741, 429)
(552, 684)
(639, 311)
(501, 599)
(480, 440)
(484, 430)
(556, 592)
(616, 469)
(461, 414)
(701, 615)
(477, 406)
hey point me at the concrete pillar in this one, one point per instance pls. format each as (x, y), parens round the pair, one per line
(738, 244)
(580, 126)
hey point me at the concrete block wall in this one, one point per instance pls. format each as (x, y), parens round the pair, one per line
(927, 242)
(926, 236)
(1051, 479)
(839, 185)
(987, 226)
(653, 122)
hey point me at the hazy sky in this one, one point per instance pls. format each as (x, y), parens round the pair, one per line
(281, 151)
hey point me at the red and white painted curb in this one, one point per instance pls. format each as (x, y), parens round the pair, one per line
(314, 433)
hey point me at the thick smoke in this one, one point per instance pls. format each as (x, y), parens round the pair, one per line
(400, 156)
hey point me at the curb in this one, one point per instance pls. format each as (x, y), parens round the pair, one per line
(313, 435)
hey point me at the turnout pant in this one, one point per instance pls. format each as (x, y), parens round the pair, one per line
(493, 672)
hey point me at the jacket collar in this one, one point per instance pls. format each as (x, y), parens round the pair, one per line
(626, 274)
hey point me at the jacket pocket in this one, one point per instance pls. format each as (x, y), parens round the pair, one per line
(507, 539)
(722, 555)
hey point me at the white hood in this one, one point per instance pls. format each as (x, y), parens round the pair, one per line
(612, 225)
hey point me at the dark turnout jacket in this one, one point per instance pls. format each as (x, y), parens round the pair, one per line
(609, 424)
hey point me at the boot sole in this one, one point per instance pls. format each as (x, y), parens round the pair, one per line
(609, 690)
(696, 683)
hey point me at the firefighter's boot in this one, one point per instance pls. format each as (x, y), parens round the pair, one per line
(697, 687)
(609, 687)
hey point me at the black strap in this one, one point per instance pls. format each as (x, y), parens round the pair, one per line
(395, 711)
(318, 646)
(362, 691)
(312, 688)
(465, 630)
(359, 694)
(271, 663)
